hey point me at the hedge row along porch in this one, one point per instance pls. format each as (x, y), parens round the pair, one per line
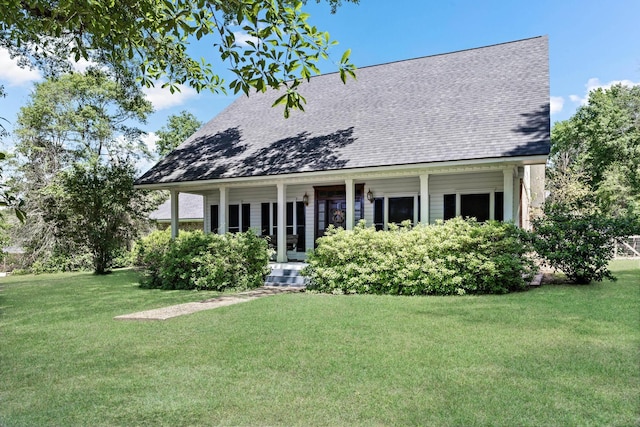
(463, 133)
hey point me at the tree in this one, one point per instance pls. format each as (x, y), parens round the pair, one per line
(72, 121)
(149, 40)
(594, 185)
(8, 199)
(574, 235)
(98, 208)
(601, 144)
(179, 127)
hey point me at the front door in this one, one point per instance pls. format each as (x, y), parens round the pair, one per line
(331, 207)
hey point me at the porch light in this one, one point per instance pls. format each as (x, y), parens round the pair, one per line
(305, 199)
(370, 196)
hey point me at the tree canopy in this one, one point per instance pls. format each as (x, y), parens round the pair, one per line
(77, 139)
(179, 127)
(600, 146)
(265, 43)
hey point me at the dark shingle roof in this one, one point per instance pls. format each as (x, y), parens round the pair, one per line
(487, 102)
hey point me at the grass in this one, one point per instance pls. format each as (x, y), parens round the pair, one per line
(557, 355)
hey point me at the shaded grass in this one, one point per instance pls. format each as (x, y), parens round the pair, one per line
(557, 355)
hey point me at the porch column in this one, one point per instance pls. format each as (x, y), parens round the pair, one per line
(508, 194)
(175, 213)
(205, 207)
(281, 254)
(424, 198)
(222, 210)
(350, 195)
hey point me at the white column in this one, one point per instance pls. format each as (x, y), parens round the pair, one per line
(206, 215)
(281, 254)
(175, 213)
(350, 195)
(222, 210)
(424, 198)
(508, 194)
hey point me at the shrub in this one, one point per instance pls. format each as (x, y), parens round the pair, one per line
(203, 261)
(149, 253)
(453, 257)
(580, 244)
(58, 263)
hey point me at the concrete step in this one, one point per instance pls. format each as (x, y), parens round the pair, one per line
(286, 280)
(286, 274)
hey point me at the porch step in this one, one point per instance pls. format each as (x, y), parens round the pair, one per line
(286, 274)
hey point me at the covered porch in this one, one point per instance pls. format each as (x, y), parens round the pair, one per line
(296, 209)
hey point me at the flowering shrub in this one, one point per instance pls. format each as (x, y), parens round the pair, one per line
(203, 261)
(453, 257)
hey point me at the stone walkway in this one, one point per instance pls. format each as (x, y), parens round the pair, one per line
(193, 307)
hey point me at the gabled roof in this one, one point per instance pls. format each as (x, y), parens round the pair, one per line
(483, 103)
(189, 208)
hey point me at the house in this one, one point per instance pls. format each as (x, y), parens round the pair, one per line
(463, 133)
(190, 214)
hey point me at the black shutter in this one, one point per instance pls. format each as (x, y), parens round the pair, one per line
(449, 206)
(214, 219)
(301, 227)
(246, 216)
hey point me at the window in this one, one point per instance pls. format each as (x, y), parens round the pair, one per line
(236, 222)
(498, 203)
(294, 221)
(378, 213)
(215, 222)
(449, 206)
(475, 205)
(234, 218)
(400, 209)
(274, 218)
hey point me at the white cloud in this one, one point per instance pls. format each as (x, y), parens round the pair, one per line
(162, 98)
(557, 102)
(82, 65)
(594, 83)
(12, 73)
(150, 140)
(243, 38)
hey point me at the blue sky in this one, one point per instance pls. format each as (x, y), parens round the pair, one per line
(592, 43)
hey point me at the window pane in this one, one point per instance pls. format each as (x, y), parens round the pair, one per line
(449, 206)
(499, 206)
(289, 218)
(378, 213)
(234, 218)
(322, 216)
(475, 205)
(400, 209)
(265, 219)
(274, 217)
(246, 216)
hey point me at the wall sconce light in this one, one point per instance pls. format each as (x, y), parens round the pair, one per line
(305, 199)
(370, 196)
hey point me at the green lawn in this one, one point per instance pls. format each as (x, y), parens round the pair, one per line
(557, 355)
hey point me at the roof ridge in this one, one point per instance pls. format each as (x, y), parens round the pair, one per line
(381, 64)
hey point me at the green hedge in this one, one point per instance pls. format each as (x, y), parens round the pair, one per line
(203, 261)
(453, 257)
